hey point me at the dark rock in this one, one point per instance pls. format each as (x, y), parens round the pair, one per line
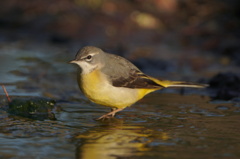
(34, 108)
(225, 86)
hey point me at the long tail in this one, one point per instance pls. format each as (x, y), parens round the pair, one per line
(166, 83)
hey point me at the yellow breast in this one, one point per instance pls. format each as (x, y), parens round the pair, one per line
(98, 89)
(90, 84)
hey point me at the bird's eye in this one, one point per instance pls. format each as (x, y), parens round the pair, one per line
(88, 58)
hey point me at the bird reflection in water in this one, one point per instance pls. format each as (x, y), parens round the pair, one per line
(116, 140)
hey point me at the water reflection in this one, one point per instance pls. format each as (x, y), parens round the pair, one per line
(114, 140)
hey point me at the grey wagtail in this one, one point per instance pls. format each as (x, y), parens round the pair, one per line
(113, 81)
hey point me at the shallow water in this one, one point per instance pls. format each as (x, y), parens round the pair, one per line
(165, 124)
(158, 126)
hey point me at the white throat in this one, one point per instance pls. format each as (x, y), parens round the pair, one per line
(86, 67)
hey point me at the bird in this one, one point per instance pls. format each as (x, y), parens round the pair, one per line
(113, 81)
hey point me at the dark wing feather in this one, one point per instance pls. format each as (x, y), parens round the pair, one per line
(136, 79)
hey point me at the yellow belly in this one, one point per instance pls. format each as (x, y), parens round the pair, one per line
(98, 89)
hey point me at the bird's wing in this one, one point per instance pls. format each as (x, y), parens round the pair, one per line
(123, 73)
(135, 79)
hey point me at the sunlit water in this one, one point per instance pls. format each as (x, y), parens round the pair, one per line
(162, 125)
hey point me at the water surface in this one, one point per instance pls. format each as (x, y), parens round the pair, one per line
(165, 124)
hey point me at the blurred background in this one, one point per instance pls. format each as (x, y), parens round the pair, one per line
(198, 34)
(196, 41)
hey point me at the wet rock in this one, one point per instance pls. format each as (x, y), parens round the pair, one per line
(34, 108)
(225, 86)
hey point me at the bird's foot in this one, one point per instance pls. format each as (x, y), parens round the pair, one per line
(110, 114)
(106, 116)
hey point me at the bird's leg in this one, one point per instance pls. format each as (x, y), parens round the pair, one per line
(113, 109)
(110, 114)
